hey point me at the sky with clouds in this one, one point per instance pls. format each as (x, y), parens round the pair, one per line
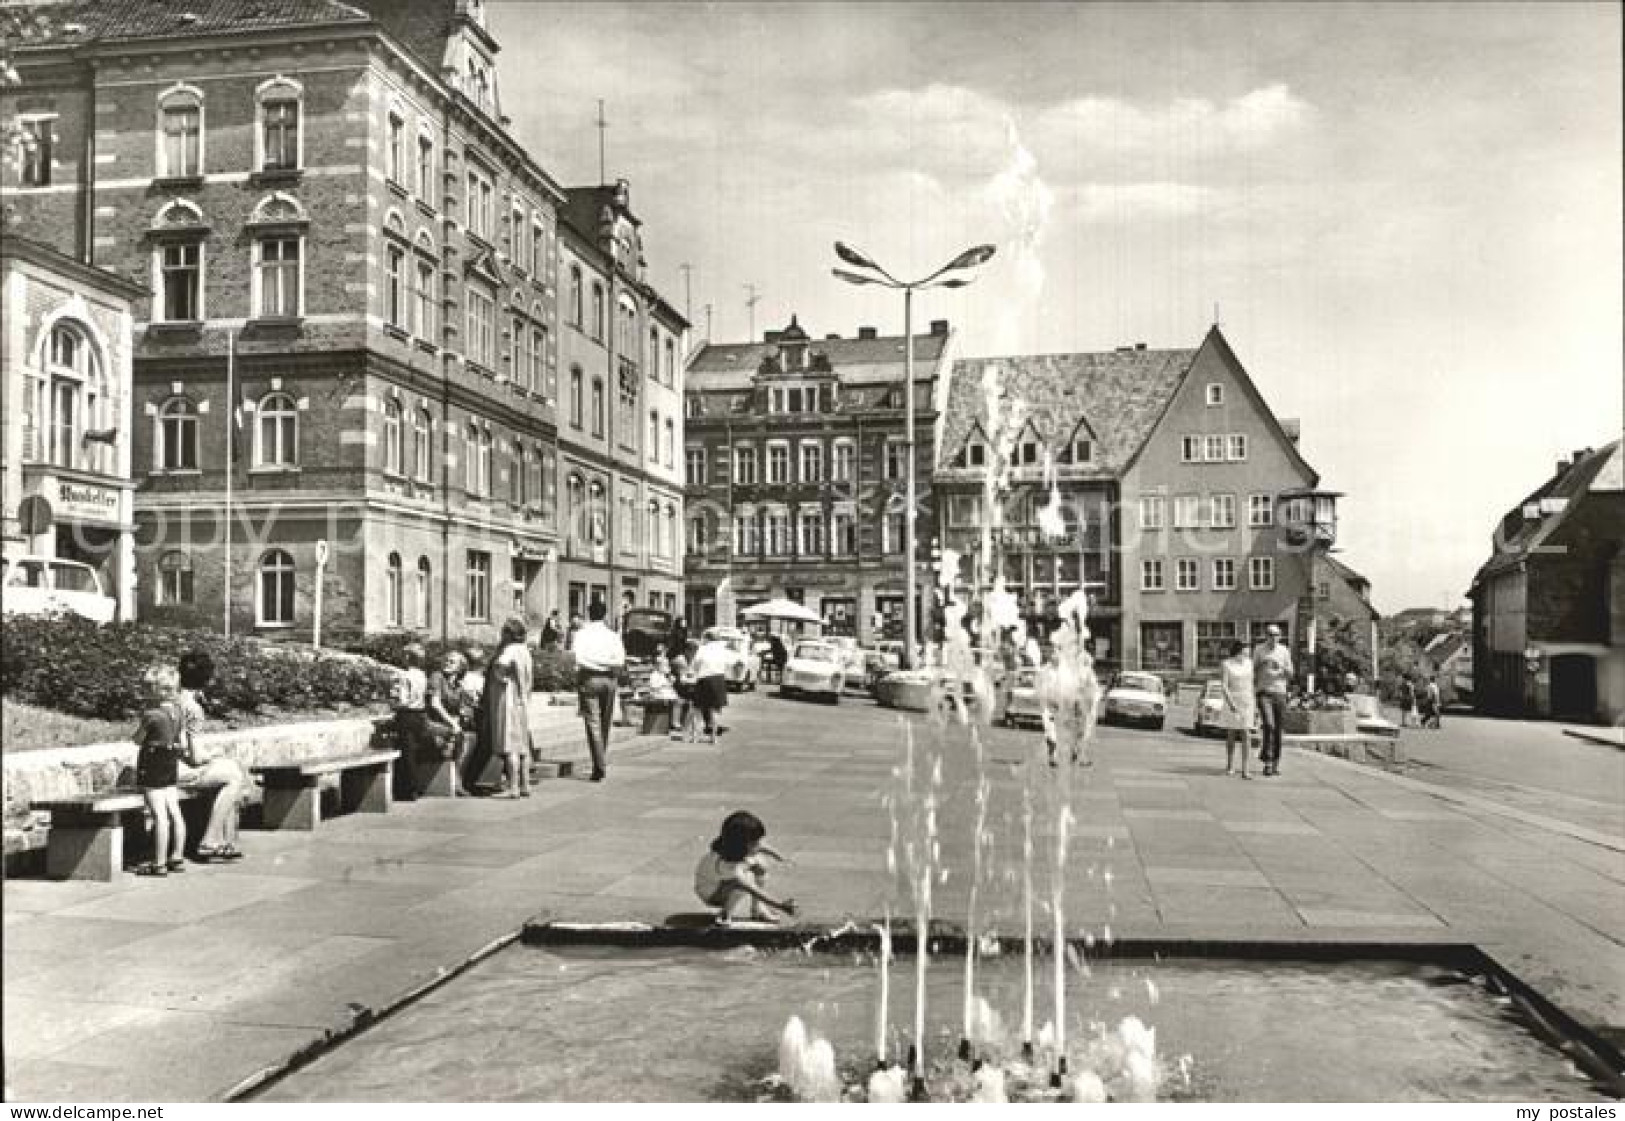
(1407, 216)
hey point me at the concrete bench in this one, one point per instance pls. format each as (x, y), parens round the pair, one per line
(86, 841)
(293, 795)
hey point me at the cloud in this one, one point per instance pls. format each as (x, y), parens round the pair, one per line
(1115, 202)
(1182, 127)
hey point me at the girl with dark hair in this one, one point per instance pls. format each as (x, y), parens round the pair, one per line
(1240, 707)
(731, 876)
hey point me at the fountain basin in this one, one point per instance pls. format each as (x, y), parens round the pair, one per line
(635, 1013)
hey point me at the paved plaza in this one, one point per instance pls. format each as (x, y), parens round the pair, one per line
(180, 989)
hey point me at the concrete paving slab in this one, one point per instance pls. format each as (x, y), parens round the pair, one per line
(1206, 877)
(188, 898)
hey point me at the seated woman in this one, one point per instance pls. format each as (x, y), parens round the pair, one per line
(443, 713)
(219, 840)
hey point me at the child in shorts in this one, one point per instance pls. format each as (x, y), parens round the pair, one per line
(161, 740)
(731, 875)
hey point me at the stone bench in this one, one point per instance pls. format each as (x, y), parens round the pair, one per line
(293, 795)
(86, 841)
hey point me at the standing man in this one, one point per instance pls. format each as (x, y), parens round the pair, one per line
(1272, 673)
(599, 657)
(1434, 705)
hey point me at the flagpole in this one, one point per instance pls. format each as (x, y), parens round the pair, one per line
(230, 412)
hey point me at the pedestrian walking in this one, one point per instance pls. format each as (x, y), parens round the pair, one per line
(1408, 697)
(552, 635)
(1432, 706)
(219, 840)
(505, 712)
(1240, 706)
(600, 656)
(1272, 673)
(711, 683)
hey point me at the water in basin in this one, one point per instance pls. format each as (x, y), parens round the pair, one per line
(599, 1024)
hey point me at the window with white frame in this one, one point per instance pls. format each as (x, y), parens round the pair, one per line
(843, 456)
(1261, 573)
(745, 464)
(698, 539)
(519, 346)
(478, 206)
(424, 597)
(518, 234)
(278, 276)
(1151, 576)
(538, 248)
(1187, 575)
(394, 590)
(654, 436)
(37, 138)
(71, 401)
(177, 444)
(1213, 449)
(843, 533)
(1151, 511)
(598, 311)
(427, 303)
(180, 273)
(1215, 393)
(778, 533)
(1190, 449)
(395, 149)
(812, 461)
(1080, 450)
(1260, 509)
(1224, 574)
(894, 532)
(811, 524)
(395, 287)
(1187, 511)
(576, 306)
(477, 605)
(422, 445)
(276, 432)
(1238, 448)
(481, 327)
(541, 382)
(778, 461)
(427, 191)
(274, 604)
(694, 467)
(896, 459)
(180, 151)
(279, 108)
(747, 533)
(975, 453)
(1223, 511)
(175, 584)
(393, 437)
(598, 407)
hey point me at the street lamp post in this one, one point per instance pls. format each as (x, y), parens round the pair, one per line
(874, 274)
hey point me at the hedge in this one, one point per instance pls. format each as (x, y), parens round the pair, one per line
(76, 666)
(555, 670)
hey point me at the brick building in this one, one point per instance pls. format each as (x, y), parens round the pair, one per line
(1189, 515)
(65, 377)
(1549, 604)
(795, 468)
(336, 222)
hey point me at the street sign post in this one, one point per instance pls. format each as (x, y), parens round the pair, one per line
(321, 572)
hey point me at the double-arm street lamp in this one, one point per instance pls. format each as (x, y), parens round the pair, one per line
(945, 277)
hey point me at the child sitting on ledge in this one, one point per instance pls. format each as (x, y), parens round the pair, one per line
(731, 875)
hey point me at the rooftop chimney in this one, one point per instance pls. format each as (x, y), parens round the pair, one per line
(1580, 454)
(832, 335)
(1562, 466)
(939, 328)
(866, 332)
(1293, 427)
(1139, 346)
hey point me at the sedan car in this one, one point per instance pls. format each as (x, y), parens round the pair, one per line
(744, 666)
(1136, 698)
(816, 668)
(1021, 703)
(1210, 710)
(35, 585)
(856, 661)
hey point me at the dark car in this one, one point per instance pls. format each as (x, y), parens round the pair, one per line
(643, 630)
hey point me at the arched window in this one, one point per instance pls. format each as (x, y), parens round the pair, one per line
(279, 106)
(180, 132)
(425, 574)
(175, 449)
(597, 515)
(276, 432)
(174, 578)
(274, 605)
(392, 437)
(394, 590)
(671, 530)
(653, 359)
(70, 403)
(654, 436)
(697, 534)
(575, 498)
(598, 311)
(422, 446)
(575, 296)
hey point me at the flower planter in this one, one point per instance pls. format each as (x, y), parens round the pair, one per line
(1318, 722)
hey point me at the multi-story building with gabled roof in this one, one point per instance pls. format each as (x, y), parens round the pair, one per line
(796, 468)
(353, 331)
(1189, 516)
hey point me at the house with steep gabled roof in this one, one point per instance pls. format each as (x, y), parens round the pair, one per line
(1549, 603)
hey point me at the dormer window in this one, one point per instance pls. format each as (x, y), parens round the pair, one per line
(1024, 454)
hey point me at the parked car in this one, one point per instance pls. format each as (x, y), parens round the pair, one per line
(744, 666)
(1137, 698)
(34, 585)
(815, 667)
(1021, 703)
(1209, 710)
(855, 660)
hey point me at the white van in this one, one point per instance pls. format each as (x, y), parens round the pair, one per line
(31, 585)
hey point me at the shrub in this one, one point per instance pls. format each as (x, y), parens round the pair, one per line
(555, 671)
(73, 665)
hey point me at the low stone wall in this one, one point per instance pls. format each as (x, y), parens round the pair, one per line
(1355, 748)
(68, 772)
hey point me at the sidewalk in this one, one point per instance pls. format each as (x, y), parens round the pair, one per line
(179, 989)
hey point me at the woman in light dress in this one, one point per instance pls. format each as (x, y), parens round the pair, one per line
(1240, 709)
(506, 717)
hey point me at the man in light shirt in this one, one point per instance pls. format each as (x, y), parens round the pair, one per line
(599, 657)
(1272, 673)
